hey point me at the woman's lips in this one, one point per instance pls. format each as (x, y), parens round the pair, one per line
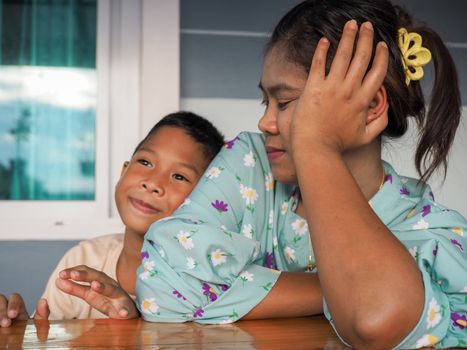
(274, 153)
(143, 206)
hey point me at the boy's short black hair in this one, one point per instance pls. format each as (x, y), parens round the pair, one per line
(199, 128)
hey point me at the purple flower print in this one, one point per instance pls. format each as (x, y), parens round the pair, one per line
(426, 210)
(220, 206)
(144, 255)
(459, 320)
(231, 143)
(223, 287)
(457, 244)
(269, 261)
(388, 178)
(198, 313)
(209, 292)
(435, 251)
(178, 294)
(404, 191)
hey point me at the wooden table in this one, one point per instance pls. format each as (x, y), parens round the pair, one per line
(288, 334)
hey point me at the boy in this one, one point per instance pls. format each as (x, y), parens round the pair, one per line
(163, 170)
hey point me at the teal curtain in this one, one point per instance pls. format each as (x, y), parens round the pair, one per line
(48, 148)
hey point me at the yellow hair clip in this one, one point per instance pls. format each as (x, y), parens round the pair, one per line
(414, 55)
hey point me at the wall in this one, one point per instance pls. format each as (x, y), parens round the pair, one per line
(221, 58)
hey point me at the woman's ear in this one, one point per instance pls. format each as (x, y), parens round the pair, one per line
(378, 106)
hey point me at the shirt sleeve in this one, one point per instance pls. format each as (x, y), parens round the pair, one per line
(196, 265)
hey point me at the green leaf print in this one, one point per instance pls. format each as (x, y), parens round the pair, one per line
(267, 287)
(233, 316)
(250, 208)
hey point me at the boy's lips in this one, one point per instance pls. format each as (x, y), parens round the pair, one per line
(143, 206)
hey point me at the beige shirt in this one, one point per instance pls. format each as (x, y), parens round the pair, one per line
(100, 253)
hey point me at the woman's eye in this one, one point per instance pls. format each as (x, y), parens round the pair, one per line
(144, 162)
(282, 105)
(180, 178)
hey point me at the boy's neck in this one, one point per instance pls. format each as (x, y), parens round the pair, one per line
(129, 260)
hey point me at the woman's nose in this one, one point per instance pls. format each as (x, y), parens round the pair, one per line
(268, 122)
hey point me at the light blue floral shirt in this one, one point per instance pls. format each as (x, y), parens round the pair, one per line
(221, 252)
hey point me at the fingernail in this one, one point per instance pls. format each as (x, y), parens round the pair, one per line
(368, 25)
(352, 24)
(383, 44)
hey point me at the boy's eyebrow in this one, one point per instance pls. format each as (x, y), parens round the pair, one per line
(186, 165)
(275, 89)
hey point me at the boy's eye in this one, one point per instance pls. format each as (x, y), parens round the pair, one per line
(180, 178)
(144, 162)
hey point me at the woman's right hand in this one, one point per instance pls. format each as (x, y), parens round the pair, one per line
(102, 292)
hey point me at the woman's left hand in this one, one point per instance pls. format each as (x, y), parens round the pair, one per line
(334, 109)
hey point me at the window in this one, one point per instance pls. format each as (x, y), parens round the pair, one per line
(81, 81)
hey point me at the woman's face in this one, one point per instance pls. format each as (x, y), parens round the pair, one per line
(282, 83)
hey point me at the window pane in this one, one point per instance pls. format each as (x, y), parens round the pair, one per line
(47, 100)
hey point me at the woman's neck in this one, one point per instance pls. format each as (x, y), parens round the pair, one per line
(129, 260)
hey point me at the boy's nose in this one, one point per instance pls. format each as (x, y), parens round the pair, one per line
(153, 187)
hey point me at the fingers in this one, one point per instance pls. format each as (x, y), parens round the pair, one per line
(318, 63)
(12, 308)
(376, 75)
(344, 53)
(84, 273)
(363, 54)
(72, 288)
(42, 310)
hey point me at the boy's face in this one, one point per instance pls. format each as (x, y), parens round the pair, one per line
(158, 178)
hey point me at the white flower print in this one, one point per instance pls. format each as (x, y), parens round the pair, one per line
(426, 340)
(284, 207)
(218, 257)
(249, 194)
(191, 263)
(300, 227)
(213, 172)
(434, 314)
(269, 182)
(274, 242)
(271, 217)
(186, 202)
(256, 252)
(144, 275)
(404, 180)
(185, 240)
(464, 290)
(248, 231)
(413, 251)
(421, 225)
(228, 321)
(458, 230)
(249, 160)
(149, 306)
(289, 254)
(245, 276)
(149, 265)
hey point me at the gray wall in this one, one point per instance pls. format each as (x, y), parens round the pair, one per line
(221, 48)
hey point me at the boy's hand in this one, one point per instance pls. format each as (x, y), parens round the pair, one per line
(12, 308)
(102, 292)
(42, 310)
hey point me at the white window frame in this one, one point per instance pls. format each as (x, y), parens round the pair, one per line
(138, 82)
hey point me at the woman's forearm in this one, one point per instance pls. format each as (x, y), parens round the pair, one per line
(295, 294)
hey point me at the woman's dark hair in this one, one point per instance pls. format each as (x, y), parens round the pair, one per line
(299, 31)
(199, 128)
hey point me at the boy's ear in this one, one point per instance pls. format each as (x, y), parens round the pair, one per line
(125, 165)
(378, 106)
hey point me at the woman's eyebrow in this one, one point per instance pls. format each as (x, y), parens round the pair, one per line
(276, 88)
